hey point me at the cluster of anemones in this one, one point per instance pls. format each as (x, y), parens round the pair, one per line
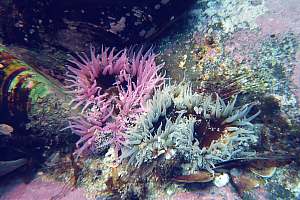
(110, 89)
(195, 128)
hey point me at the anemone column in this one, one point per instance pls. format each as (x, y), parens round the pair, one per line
(35, 107)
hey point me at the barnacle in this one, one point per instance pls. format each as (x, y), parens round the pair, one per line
(199, 129)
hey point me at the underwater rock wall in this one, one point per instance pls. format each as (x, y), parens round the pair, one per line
(49, 30)
(72, 25)
(219, 46)
(229, 131)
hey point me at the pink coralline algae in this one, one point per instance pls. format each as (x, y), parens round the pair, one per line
(110, 90)
(40, 188)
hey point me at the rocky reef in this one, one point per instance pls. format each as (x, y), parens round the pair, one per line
(210, 111)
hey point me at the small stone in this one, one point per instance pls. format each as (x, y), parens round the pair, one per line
(221, 180)
(157, 7)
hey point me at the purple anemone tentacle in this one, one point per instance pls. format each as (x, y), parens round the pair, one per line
(108, 111)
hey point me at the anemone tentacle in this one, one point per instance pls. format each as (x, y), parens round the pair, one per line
(110, 88)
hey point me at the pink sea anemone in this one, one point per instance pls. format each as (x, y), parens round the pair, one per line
(110, 90)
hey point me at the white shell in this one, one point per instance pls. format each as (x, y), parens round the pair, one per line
(221, 180)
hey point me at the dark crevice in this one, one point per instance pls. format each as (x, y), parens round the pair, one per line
(162, 120)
